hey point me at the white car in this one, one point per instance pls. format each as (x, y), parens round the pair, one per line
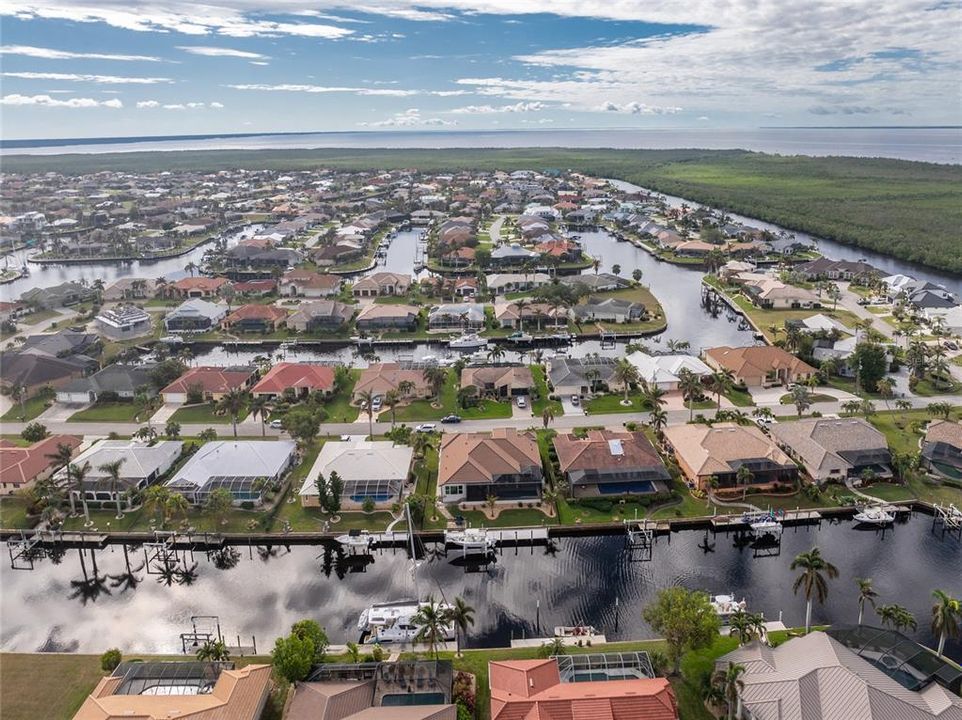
(522, 403)
(426, 428)
(276, 424)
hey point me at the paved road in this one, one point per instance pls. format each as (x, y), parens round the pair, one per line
(849, 301)
(495, 230)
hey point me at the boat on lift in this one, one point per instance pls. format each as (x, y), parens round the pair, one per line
(762, 524)
(469, 341)
(519, 337)
(874, 515)
(726, 605)
(471, 540)
(356, 539)
(575, 631)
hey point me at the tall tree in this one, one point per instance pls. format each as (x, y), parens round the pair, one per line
(866, 594)
(690, 385)
(685, 619)
(233, 403)
(897, 616)
(76, 475)
(460, 615)
(946, 617)
(434, 624)
(627, 375)
(729, 681)
(815, 569)
(366, 398)
(259, 408)
(113, 473)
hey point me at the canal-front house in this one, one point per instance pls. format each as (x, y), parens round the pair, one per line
(942, 449)
(759, 365)
(33, 372)
(608, 462)
(195, 316)
(498, 381)
(582, 376)
(663, 371)
(380, 378)
(369, 469)
(464, 316)
(63, 295)
(382, 284)
(301, 379)
(255, 318)
(141, 465)
(159, 690)
(208, 384)
(247, 468)
(309, 284)
(387, 317)
(123, 322)
(717, 455)
(320, 316)
(196, 287)
(834, 450)
(505, 464)
(22, 467)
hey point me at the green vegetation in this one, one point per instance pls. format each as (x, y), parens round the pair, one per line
(541, 401)
(205, 414)
(417, 410)
(31, 409)
(611, 403)
(108, 412)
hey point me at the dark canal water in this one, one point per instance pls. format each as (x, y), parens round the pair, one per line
(595, 580)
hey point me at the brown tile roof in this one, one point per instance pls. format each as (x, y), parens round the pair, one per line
(594, 451)
(707, 450)
(381, 377)
(481, 458)
(254, 311)
(513, 377)
(21, 465)
(306, 278)
(757, 360)
(297, 376)
(200, 283)
(209, 379)
(944, 431)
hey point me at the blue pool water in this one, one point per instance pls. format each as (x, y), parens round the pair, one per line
(642, 486)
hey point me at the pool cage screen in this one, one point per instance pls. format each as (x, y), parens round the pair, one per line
(168, 678)
(604, 666)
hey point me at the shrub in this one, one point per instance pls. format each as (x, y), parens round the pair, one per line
(110, 660)
(108, 396)
(368, 505)
(247, 505)
(34, 432)
(600, 504)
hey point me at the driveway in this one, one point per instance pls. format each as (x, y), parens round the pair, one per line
(568, 408)
(519, 412)
(58, 412)
(161, 417)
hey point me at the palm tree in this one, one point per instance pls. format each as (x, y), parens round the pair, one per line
(460, 615)
(213, 651)
(405, 388)
(78, 473)
(626, 374)
(60, 458)
(113, 472)
(746, 626)
(547, 415)
(897, 616)
(155, 501)
(885, 388)
(496, 354)
(690, 385)
(801, 399)
(232, 403)
(720, 383)
(729, 680)
(366, 398)
(436, 376)
(946, 614)
(653, 396)
(18, 393)
(392, 399)
(191, 267)
(814, 583)
(433, 622)
(259, 407)
(866, 593)
(176, 504)
(521, 304)
(658, 418)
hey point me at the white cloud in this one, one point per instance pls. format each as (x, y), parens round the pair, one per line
(315, 89)
(47, 101)
(154, 104)
(75, 77)
(259, 62)
(217, 105)
(51, 54)
(409, 118)
(521, 107)
(208, 51)
(147, 104)
(636, 108)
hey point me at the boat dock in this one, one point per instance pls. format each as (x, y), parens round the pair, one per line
(516, 536)
(571, 641)
(799, 516)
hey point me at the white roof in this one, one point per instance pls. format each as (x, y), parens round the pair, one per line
(140, 460)
(360, 460)
(824, 322)
(665, 368)
(235, 459)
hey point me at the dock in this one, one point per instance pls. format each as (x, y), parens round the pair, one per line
(511, 536)
(575, 641)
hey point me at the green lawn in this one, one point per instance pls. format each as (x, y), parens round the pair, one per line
(13, 513)
(338, 407)
(764, 318)
(516, 517)
(640, 294)
(740, 398)
(32, 407)
(787, 399)
(38, 317)
(108, 412)
(419, 410)
(611, 403)
(890, 492)
(929, 388)
(205, 414)
(539, 403)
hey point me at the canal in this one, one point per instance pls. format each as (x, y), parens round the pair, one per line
(73, 605)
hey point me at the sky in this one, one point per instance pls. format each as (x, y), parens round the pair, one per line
(115, 68)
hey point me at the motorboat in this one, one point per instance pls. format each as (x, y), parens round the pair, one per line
(471, 540)
(762, 524)
(396, 622)
(574, 631)
(519, 337)
(477, 358)
(562, 336)
(470, 341)
(726, 605)
(355, 539)
(874, 515)
(172, 340)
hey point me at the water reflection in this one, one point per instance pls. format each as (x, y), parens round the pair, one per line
(260, 591)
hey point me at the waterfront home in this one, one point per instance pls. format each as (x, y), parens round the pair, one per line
(62, 344)
(22, 467)
(501, 381)
(255, 318)
(305, 283)
(613, 687)
(255, 288)
(123, 322)
(384, 284)
(582, 376)
(401, 690)
(718, 452)
(856, 673)
(825, 269)
(196, 287)
(502, 283)
(141, 465)
(820, 323)
(195, 316)
(942, 449)
(459, 257)
(202, 691)
(835, 449)
(253, 257)
(33, 372)
(512, 255)
(596, 282)
(926, 295)
(560, 249)
(320, 316)
(612, 310)
(245, 467)
(513, 316)
(302, 379)
(664, 371)
(120, 380)
(62, 295)
(607, 462)
(771, 294)
(474, 466)
(387, 317)
(949, 318)
(208, 383)
(380, 378)
(369, 469)
(759, 366)
(130, 288)
(733, 268)
(466, 316)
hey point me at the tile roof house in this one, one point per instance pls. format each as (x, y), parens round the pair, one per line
(498, 381)
(596, 283)
(369, 469)
(255, 318)
(196, 287)
(302, 378)
(533, 689)
(21, 467)
(238, 465)
(663, 370)
(759, 366)
(211, 382)
(195, 315)
(608, 462)
(387, 317)
(768, 292)
(382, 283)
(835, 449)
(504, 463)
(942, 448)
(380, 378)
(309, 284)
(320, 316)
(704, 452)
(218, 692)
(816, 676)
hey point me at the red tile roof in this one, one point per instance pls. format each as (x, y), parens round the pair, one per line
(22, 465)
(297, 376)
(210, 380)
(254, 311)
(200, 283)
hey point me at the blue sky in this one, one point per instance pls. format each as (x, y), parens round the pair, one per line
(82, 68)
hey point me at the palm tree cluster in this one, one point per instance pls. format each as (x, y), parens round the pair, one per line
(435, 621)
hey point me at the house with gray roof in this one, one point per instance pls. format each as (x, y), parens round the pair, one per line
(613, 310)
(62, 344)
(512, 254)
(599, 282)
(456, 315)
(243, 467)
(833, 449)
(121, 379)
(942, 448)
(68, 293)
(581, 376)
(195, 315)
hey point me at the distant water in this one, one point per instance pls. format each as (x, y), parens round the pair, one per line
(938, 145)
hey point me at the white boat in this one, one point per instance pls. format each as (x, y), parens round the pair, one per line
(726, 605)
(356, 539)
(563, 336)
(396, 622)
(568, 631)
(470, 341)
(766, 527)
(477, 358)
(874, 515)
(472, 540)
(171, 340)
(519, 337)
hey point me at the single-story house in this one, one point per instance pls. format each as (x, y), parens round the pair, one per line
(511, 315)
(835, 449)
(124, 321)
(22, 467)
(381, 378)
(382, 284)
(825, 269)
(458, 315)
(62, 344)
(302, 378)
(305, 283)
(770, 293)
(601, 282)
(212, 383)
(942, 448)
(501, 283)
(32, 372)
(759, 366)
(68, 293)
(613, 310)
(505, 463)
(607, 462)
(704, 452)
(500, 381)
(369, 469)
(196, 287)
(195, 315)
(244, 467)
(255, 318)
(582, 376)
(387, 317)
(320, 316)
(120, 378)
(664, 371)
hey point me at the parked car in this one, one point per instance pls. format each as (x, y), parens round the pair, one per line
(426, 428)
(575, 400)
(451, 419)
(276, 424)
(522, 403)
(376, 403)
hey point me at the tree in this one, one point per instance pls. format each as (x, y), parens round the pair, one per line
(812, 579)
(354, 652)
(636, 275)
(292, 657)
(302, 424)
(547, 415)
(335, 486)
(219, 503)
(460, 615)
(311, 630)
(110, 660)
(626, 374)
(658, 419)
(729, 682)
(207, 435)
(885, 388)
(366, 398)
(801, 399)
(155, 502)
(720, 383)
(172, 430)
(866, 593)
(392, 399)
(34, 432)
(746, 626)
(112, 469)
(436, 376)
(18, 393)
(434, 624)
(176, 504)
(233, 403)
(76, 474)
(259, 408)
(685, 619)
(946, 617)
(940, 409)
(870, 364)
(61, 457)
(554, 646)
(896, 616)
(213, 651)
(690, 385)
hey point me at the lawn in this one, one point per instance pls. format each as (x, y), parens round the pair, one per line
(515, 517)
(764, 318)
(541, 390)
(108, 412)
(929, 388)
(419, 410)
(338, 406)
(38, 317)
(740, 398)
(611, 403)
(788, 399)
(205, 414)
(890, 492)
(571, 513)
(639, 294)
(13, 513)
(32, 407)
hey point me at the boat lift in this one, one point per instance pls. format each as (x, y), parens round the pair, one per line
(949, 517)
